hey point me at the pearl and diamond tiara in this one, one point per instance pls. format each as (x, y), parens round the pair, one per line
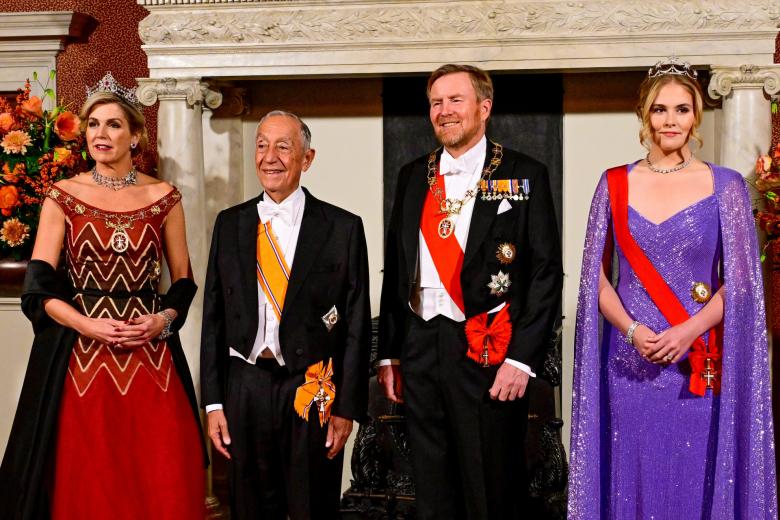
(672, 65)
(108, 84)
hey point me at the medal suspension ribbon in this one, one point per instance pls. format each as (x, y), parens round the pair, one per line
(705, 362)
(446, 252)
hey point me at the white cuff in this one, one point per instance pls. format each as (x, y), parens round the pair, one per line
(386, 362)
(522, 366)
(212, 407)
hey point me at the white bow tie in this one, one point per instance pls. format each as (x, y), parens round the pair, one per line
(270, 210)
(452, 166)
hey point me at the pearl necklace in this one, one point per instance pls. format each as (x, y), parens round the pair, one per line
(668, 170)
(114, 183)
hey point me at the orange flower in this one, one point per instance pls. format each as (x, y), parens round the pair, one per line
(14, 232)
(776, 155)
(763, 165)
(16, 141)
(62, 155)
(12, 176)
(67, 126)
(7, 122)
(9, 198)
(33, 106)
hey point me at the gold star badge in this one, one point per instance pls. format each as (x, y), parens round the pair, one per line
(506, 253)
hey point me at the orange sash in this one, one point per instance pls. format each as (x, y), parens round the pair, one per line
(705, 359)
(446, 252)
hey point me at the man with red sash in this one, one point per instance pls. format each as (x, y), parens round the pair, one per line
(286, 336)
(471, 290)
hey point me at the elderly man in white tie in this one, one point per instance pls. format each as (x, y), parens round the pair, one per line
(286, 336)
(471, 290)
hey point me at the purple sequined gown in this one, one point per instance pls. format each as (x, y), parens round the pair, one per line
(659, 437)
(642, 446)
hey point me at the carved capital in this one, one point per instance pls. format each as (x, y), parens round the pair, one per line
(726, 79)
(191, 90)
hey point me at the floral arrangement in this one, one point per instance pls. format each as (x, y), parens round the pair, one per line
(37, 148)
(768, 184)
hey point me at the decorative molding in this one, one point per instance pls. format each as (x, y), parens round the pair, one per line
(726, 79)
(299, 23)
(43, 25)
(192, 90)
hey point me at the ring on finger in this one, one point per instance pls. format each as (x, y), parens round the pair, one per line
(668, 358)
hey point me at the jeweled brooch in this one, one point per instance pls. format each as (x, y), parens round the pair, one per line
(701, 292)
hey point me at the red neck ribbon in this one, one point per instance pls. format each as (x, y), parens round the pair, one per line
(662, 295)
(446, 252)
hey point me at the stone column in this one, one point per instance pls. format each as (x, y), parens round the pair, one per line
(180, 148)
(746, 129)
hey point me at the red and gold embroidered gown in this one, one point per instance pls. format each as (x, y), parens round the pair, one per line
(127, 444)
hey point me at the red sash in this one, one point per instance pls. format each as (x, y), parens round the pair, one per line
(446, 252)
(705, 360)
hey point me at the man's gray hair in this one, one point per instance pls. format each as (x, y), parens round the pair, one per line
(305, 132)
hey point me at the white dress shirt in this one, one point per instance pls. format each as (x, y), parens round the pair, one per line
(460, 175)
(285, 221)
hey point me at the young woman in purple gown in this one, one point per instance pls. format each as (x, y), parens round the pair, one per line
(671, 413)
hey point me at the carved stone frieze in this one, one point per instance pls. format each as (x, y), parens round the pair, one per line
(726, 79)
(192, 90)
(409, 22)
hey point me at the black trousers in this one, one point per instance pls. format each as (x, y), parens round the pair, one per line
(278, 461)
(468, 453)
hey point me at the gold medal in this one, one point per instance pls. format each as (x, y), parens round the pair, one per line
(506, 253)
(446, 227)
(701, 292)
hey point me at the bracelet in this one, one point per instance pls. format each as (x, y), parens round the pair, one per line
(630, 332)
(166, 332)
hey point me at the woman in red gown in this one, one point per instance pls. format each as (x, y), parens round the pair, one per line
(125, 440)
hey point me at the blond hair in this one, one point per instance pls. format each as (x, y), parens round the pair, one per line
(648, 92)
(135, 118)
(480, 79)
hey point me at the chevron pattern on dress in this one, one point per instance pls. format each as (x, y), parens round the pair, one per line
(115, 285)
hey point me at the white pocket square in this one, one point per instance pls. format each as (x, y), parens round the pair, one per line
(504, 206)
(330, 318)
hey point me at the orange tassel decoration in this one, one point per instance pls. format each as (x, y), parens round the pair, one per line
(488, 344)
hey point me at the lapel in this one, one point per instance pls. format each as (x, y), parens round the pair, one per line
(414, 199)
(314, 233)
(247, 256)
(485, 210)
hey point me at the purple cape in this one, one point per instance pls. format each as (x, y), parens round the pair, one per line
(744, 475)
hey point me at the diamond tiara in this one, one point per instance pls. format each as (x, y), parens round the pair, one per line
(673, 65)
(108, 84)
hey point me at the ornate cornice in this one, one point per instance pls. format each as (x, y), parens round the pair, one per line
(193, 90)
(726, 79)
(408, 22)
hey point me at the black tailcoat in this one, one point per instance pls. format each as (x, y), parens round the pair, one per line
(536, 274)
(330, 268)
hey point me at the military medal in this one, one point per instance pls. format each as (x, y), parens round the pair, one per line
(499, 283)
(318, 391)
(701, 292)
(505, 189)
(506, 253)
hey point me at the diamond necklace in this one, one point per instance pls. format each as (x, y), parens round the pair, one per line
(668, 170)
(114, 183)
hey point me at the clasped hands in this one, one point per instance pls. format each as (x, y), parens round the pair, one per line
(129, 334)
(509, 384)
(667, 347)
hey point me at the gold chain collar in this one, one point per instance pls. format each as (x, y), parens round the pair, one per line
(452, 206)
